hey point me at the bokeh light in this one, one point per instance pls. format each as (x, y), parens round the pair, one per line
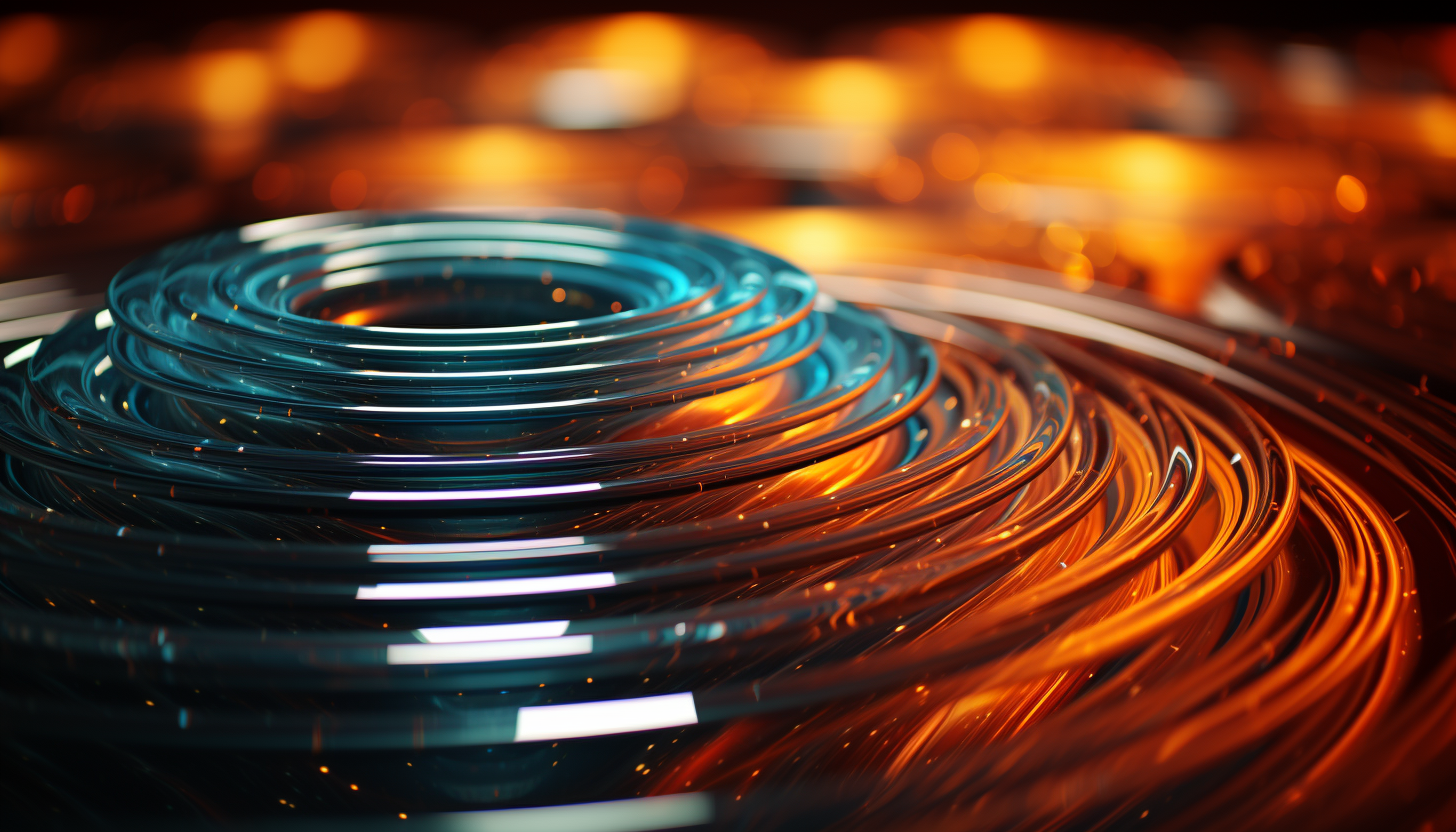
(1177, 215)
(233, 86)
(321, 50)
(29, 47)
(1000, 54)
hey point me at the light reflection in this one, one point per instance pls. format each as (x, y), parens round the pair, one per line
(1060, 147)
(494, 650)
(675, 811)
(322, 50)
(493, 632)
(484, 550)
(467, 494)
(496, 588)
(596, 719)
(22, 354)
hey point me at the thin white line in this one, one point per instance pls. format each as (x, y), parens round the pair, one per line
(493, 632)
(473, 546)
(488, 651)
(533, 371)
(479, 494)
(486, 589)
(481, 408)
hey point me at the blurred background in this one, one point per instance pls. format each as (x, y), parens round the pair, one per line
(1247, 172)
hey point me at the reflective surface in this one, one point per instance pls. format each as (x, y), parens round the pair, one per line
(396, 517)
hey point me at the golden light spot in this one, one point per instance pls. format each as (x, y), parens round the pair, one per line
(954, 156)
(1437, 123)
(508, 155)
(321, 50)
(853, 92)
(232, 86)
(1077, 273)
(1065, 237)
(324, 769)
(999, 53)
(653, 44)
(1351, 194)
(1149, 163)
(558, 294)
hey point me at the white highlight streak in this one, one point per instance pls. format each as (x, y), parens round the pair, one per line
(486, 589)
(478, 494)
(472, 546)
(641, 814)
(102, 366)
(103, 319)
(529, 371)
(480, 550)
(482, 408)
(488, 651)
(614, 716)
(23, 353)
(493, 632)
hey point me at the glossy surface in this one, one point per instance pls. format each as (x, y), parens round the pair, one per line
(475, 511)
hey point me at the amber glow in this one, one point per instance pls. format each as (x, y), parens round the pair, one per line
(232, 87)
(993, 192)
(503, 156)
(955, 157)
(901, 181)
(321, 50)
(651, 51)
(348, 190)
(1351, 194)
(652, 44)
(1001, 54)
(29, 45)
(660, 187)
(722, 100)
(1091, 488)
(853, 92)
